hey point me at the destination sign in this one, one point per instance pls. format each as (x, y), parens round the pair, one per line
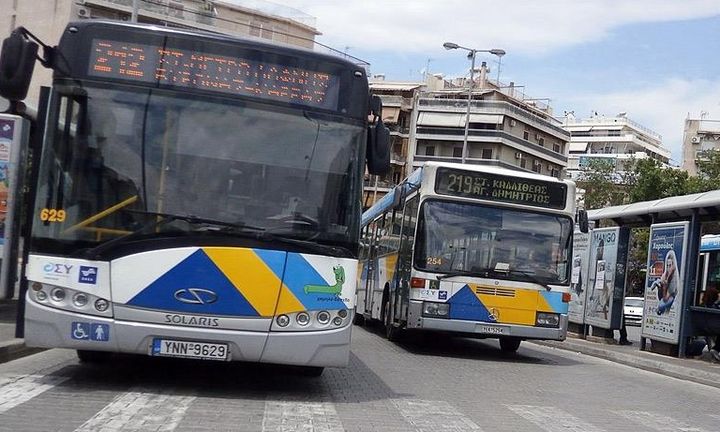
(190, 69)
(495, 187)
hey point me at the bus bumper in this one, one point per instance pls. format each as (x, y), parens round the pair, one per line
(47, 327)
(484, 329)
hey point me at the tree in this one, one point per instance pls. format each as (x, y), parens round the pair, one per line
(601, 184)
(648, 179)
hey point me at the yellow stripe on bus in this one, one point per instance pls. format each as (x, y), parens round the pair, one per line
(288, 303)
(250, 275)
(519, 308)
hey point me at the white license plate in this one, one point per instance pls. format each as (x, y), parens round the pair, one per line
(188, 349)
(491, 329)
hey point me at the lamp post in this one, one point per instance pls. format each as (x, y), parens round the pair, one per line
(471, 55)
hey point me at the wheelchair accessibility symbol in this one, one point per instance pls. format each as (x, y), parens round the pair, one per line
(90, 331)
(80, 331)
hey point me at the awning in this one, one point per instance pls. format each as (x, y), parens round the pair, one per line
(441, 119)
(486, 118)
(390, 114)
(578, 146)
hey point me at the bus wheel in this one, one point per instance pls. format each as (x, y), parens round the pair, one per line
(86, 356)
(358, 318)
(392, 333)
(509, 344)
(312, 371)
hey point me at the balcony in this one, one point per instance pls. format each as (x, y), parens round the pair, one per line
(496, 107)
(182, 12)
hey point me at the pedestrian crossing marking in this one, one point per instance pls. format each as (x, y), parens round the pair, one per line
(431, 416)
(139, 410)
(658, 422)
(281, 416)
(552, 419)
(15, 391)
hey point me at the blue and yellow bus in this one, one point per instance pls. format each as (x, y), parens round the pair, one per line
(470, 250)
(196, 195)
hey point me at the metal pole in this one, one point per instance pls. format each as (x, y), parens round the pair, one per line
(135, 6)
(467, 115)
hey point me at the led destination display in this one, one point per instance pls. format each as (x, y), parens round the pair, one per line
(211, 72)
(500, 188)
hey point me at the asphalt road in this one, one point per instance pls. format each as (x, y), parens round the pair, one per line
(423, 384)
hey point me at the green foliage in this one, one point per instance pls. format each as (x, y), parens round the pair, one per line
(600, 183)
(644, 180)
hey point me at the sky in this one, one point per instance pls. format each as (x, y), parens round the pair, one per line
(656, 60)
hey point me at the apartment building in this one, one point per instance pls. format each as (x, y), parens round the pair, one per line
(47, 19)
(615, 139)
(398, 108)
(506, 128)
(699, 135)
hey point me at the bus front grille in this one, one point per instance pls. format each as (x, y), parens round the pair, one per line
(496, 291)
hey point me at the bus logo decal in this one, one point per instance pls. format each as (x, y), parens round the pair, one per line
(196, 296)
(329, 289)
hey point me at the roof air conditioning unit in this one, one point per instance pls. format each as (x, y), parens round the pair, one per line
(518, 155)
(695, 140)
(83, 12)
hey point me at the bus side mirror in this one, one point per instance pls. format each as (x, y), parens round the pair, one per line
(582, 220)
(378, 142)
(17, 61)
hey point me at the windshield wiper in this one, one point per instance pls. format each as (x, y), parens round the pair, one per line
(530, 276)
(481, 273)
(266, 236)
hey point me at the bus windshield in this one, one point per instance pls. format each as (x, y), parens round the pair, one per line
(114, 157)
(502, 243)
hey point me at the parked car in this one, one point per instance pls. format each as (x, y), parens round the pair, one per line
(633, 310)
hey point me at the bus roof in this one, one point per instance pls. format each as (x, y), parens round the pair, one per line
(218, 37)
(415, 181)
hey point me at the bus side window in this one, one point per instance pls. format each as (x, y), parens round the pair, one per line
(408, 233)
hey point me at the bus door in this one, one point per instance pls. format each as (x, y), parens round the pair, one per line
(404, 264)
(372, 267)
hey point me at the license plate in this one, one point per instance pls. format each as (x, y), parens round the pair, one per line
(491, 329)
(188, 349)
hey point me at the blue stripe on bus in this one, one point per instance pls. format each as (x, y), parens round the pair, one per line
(298, 273)
(465, 305)
(275, 260)
(554, 300)
(195, 271)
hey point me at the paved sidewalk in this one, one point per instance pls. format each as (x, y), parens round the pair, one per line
(702, 369)
(11, 347)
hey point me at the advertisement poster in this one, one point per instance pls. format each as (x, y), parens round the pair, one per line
(664, 282)
(606, 274)
(578, 277)
(7, 129)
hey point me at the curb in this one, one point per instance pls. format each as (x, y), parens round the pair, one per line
(15, 349)
(657, 366)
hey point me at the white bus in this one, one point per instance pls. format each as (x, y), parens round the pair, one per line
(196, 195)
(471, 250)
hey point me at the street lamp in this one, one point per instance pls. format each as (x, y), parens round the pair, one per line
(471, 55)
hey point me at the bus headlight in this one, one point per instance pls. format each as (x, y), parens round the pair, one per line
(80, 299)
(70, 299)
(545, 319)
(57, 294)
(312, 320)
(436, 310)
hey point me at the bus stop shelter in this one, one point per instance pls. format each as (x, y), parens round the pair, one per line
(695, 209)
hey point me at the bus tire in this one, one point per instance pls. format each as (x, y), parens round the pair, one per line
(509, 344)
(93, 357)
(358, 318)
(392, 333)
(312, 371)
